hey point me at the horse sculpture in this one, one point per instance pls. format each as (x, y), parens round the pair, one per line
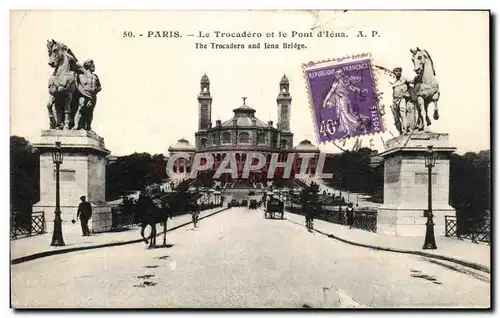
(72, 89)
(425, 85)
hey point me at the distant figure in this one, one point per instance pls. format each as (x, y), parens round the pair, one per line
(309, 214)
(195, 214)
(350, 215)
(341, 216)
(84, 213)
(140, 208)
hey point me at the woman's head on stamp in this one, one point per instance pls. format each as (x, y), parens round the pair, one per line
(338, 73)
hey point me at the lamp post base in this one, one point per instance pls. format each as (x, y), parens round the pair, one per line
(430, 241)
(57, 237)
(57, 242)
(429, 247)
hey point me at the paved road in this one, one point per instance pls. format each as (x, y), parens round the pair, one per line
(239, 259)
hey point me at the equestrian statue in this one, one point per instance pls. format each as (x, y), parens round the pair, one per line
(73, 89)
(412, 98)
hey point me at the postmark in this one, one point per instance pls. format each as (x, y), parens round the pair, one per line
(343, 98)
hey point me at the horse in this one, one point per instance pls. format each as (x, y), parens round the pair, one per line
(158, 209)
(425, 85)
(62, 85)
(154, 210)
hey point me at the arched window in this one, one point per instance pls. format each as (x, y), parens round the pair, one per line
(203, 142)
(284, 143)
(226, 138)
(261, 138)
(244, 138)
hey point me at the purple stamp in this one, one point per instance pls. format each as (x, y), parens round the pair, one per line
(343, 98)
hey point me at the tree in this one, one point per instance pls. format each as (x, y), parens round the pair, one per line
(470, 184)
(470, 181)
(24, 175)
(134, 172)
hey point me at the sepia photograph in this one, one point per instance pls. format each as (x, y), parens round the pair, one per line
(244, 159)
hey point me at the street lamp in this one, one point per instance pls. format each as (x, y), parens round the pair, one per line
(57, 236)
(430, 162)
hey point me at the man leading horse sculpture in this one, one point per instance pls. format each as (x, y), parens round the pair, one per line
(72, 88)
(412, 98)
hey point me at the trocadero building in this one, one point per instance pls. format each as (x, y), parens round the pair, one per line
(241, 134)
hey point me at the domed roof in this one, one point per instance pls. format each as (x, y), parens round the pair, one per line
(244, 121)
(204, 79)
(306, 145)
(244, 109)
(244, 117)
(182, 144)
(284, 80)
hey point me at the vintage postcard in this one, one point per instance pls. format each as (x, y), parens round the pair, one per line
(250, 159)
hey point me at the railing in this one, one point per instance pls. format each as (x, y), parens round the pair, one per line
(122, 216)
(468, 229)
(24, 225)
(364, 220)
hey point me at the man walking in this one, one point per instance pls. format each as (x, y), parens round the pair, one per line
(350, 215)
(308, 211)
(195, 214)
(84, 213)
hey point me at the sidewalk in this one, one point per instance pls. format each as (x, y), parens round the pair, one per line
(40, 244)
(448, 248)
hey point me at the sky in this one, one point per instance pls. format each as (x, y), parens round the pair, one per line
(150, 85)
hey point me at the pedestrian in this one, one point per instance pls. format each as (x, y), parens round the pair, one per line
(195, 213)
(340, 216)
(350, 215)
(84, 213)
(309, 208)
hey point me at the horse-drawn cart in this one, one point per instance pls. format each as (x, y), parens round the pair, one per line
(274, 206)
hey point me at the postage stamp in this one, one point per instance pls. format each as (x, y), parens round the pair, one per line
(343, 98)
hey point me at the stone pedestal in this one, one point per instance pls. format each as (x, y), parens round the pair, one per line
(406, 185)
(83, 172)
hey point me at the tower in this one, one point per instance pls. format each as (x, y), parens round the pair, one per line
(284, 101)
(204, 104)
